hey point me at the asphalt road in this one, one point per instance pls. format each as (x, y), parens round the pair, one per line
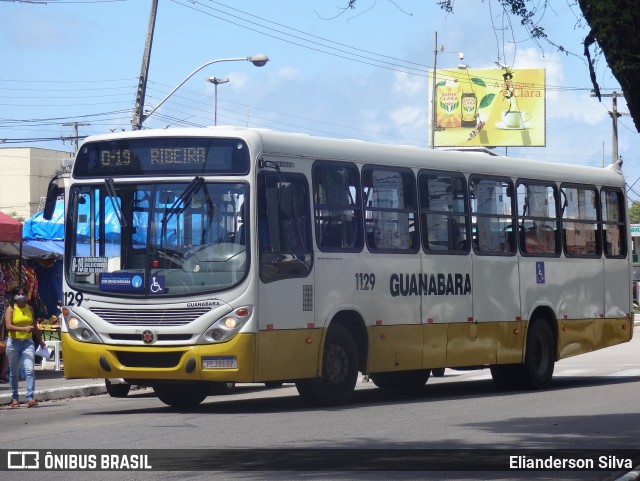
(592, 403)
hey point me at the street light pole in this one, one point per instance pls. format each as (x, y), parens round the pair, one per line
(259, 60)
(217, 81)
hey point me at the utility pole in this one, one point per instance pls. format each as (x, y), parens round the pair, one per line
(433, 94)
(614, 114)
(75, 125)
(136, 120)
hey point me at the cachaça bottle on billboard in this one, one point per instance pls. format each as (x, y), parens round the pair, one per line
(469, 104)
(448, 106)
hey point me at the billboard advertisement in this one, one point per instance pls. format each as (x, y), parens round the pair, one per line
(488, 107)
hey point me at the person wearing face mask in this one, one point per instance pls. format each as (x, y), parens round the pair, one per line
(21, 326)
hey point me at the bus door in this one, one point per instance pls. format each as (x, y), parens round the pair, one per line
(387, 285)
(447, 294)
(616, 266)
(288, 341)
(496, 291)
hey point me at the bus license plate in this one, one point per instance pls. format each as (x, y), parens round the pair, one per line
(222, 362)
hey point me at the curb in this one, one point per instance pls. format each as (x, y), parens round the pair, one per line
(52, 394)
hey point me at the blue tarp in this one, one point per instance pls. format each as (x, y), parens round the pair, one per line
(43, 239)
(37, 228)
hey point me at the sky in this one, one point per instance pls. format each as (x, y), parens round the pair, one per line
(358, 73)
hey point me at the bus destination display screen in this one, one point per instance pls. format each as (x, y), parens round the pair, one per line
(159, 156)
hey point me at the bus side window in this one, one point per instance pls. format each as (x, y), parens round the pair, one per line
(391, 211)
(613, 223)
(284, 227)
(492, 214)
(443, 212)
(580, 223)
(538, 220)
(337, 206)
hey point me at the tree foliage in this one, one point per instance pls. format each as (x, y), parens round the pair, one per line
(634, 212)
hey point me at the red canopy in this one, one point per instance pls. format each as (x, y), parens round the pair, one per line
(10, 229)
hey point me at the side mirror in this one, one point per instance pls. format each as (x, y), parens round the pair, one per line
(53, 191)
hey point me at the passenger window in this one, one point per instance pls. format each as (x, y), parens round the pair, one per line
(492, 215)
(284, 226)
(538, 231)
(338, 208)
(443, 212)
(580, 221)
(390, 209)
(613, 223)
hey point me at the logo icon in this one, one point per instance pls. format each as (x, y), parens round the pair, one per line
(136, 281)
(23, 460)
(148, 337)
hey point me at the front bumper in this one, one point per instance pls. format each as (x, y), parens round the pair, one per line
(180, 363)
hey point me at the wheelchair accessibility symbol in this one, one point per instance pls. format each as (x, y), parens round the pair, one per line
(540, 273)
(157, 285)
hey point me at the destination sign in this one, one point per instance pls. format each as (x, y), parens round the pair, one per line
(162, 155)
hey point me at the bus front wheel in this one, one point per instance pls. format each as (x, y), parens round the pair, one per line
(339, 371)
(117, 389)
(181, 395)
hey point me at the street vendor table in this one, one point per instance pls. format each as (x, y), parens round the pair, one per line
(49, 332)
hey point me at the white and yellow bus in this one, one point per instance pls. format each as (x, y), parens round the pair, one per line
(195, 257)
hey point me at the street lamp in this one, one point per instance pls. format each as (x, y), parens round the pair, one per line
(259, 60)
(217, 81)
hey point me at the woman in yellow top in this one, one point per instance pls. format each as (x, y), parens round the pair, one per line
(21, 326)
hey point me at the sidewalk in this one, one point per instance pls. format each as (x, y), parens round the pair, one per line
(51, 385)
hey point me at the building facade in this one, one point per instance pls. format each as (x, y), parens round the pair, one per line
(25, 175)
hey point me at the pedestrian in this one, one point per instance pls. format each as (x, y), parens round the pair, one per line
(21, 327)
(4, 363)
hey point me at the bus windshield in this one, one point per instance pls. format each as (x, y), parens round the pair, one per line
(157, 239)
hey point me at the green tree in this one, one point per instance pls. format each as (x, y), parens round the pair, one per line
(634, 212)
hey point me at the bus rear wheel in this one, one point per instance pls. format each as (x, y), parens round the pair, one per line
(540, 358)
(407, 380)
(539, 361)
(181, 395)
(339, 371)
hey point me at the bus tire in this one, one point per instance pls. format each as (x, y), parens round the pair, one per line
(339, 371)
(540, 358)
(181, 395)
(223, 387)
(117, 390)
(438, 372)
(273, 384)
(405, 380)
(508, 376)
(539, 361)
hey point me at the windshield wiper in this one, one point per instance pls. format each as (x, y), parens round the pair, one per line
(179, 205)
(111, 191)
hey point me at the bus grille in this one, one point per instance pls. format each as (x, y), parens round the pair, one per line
(149, 317)
(149, 359)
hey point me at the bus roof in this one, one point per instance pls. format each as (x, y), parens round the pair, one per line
(275, 143)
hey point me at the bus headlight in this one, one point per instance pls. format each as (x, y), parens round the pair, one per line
(80, 330)
(226, 327)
